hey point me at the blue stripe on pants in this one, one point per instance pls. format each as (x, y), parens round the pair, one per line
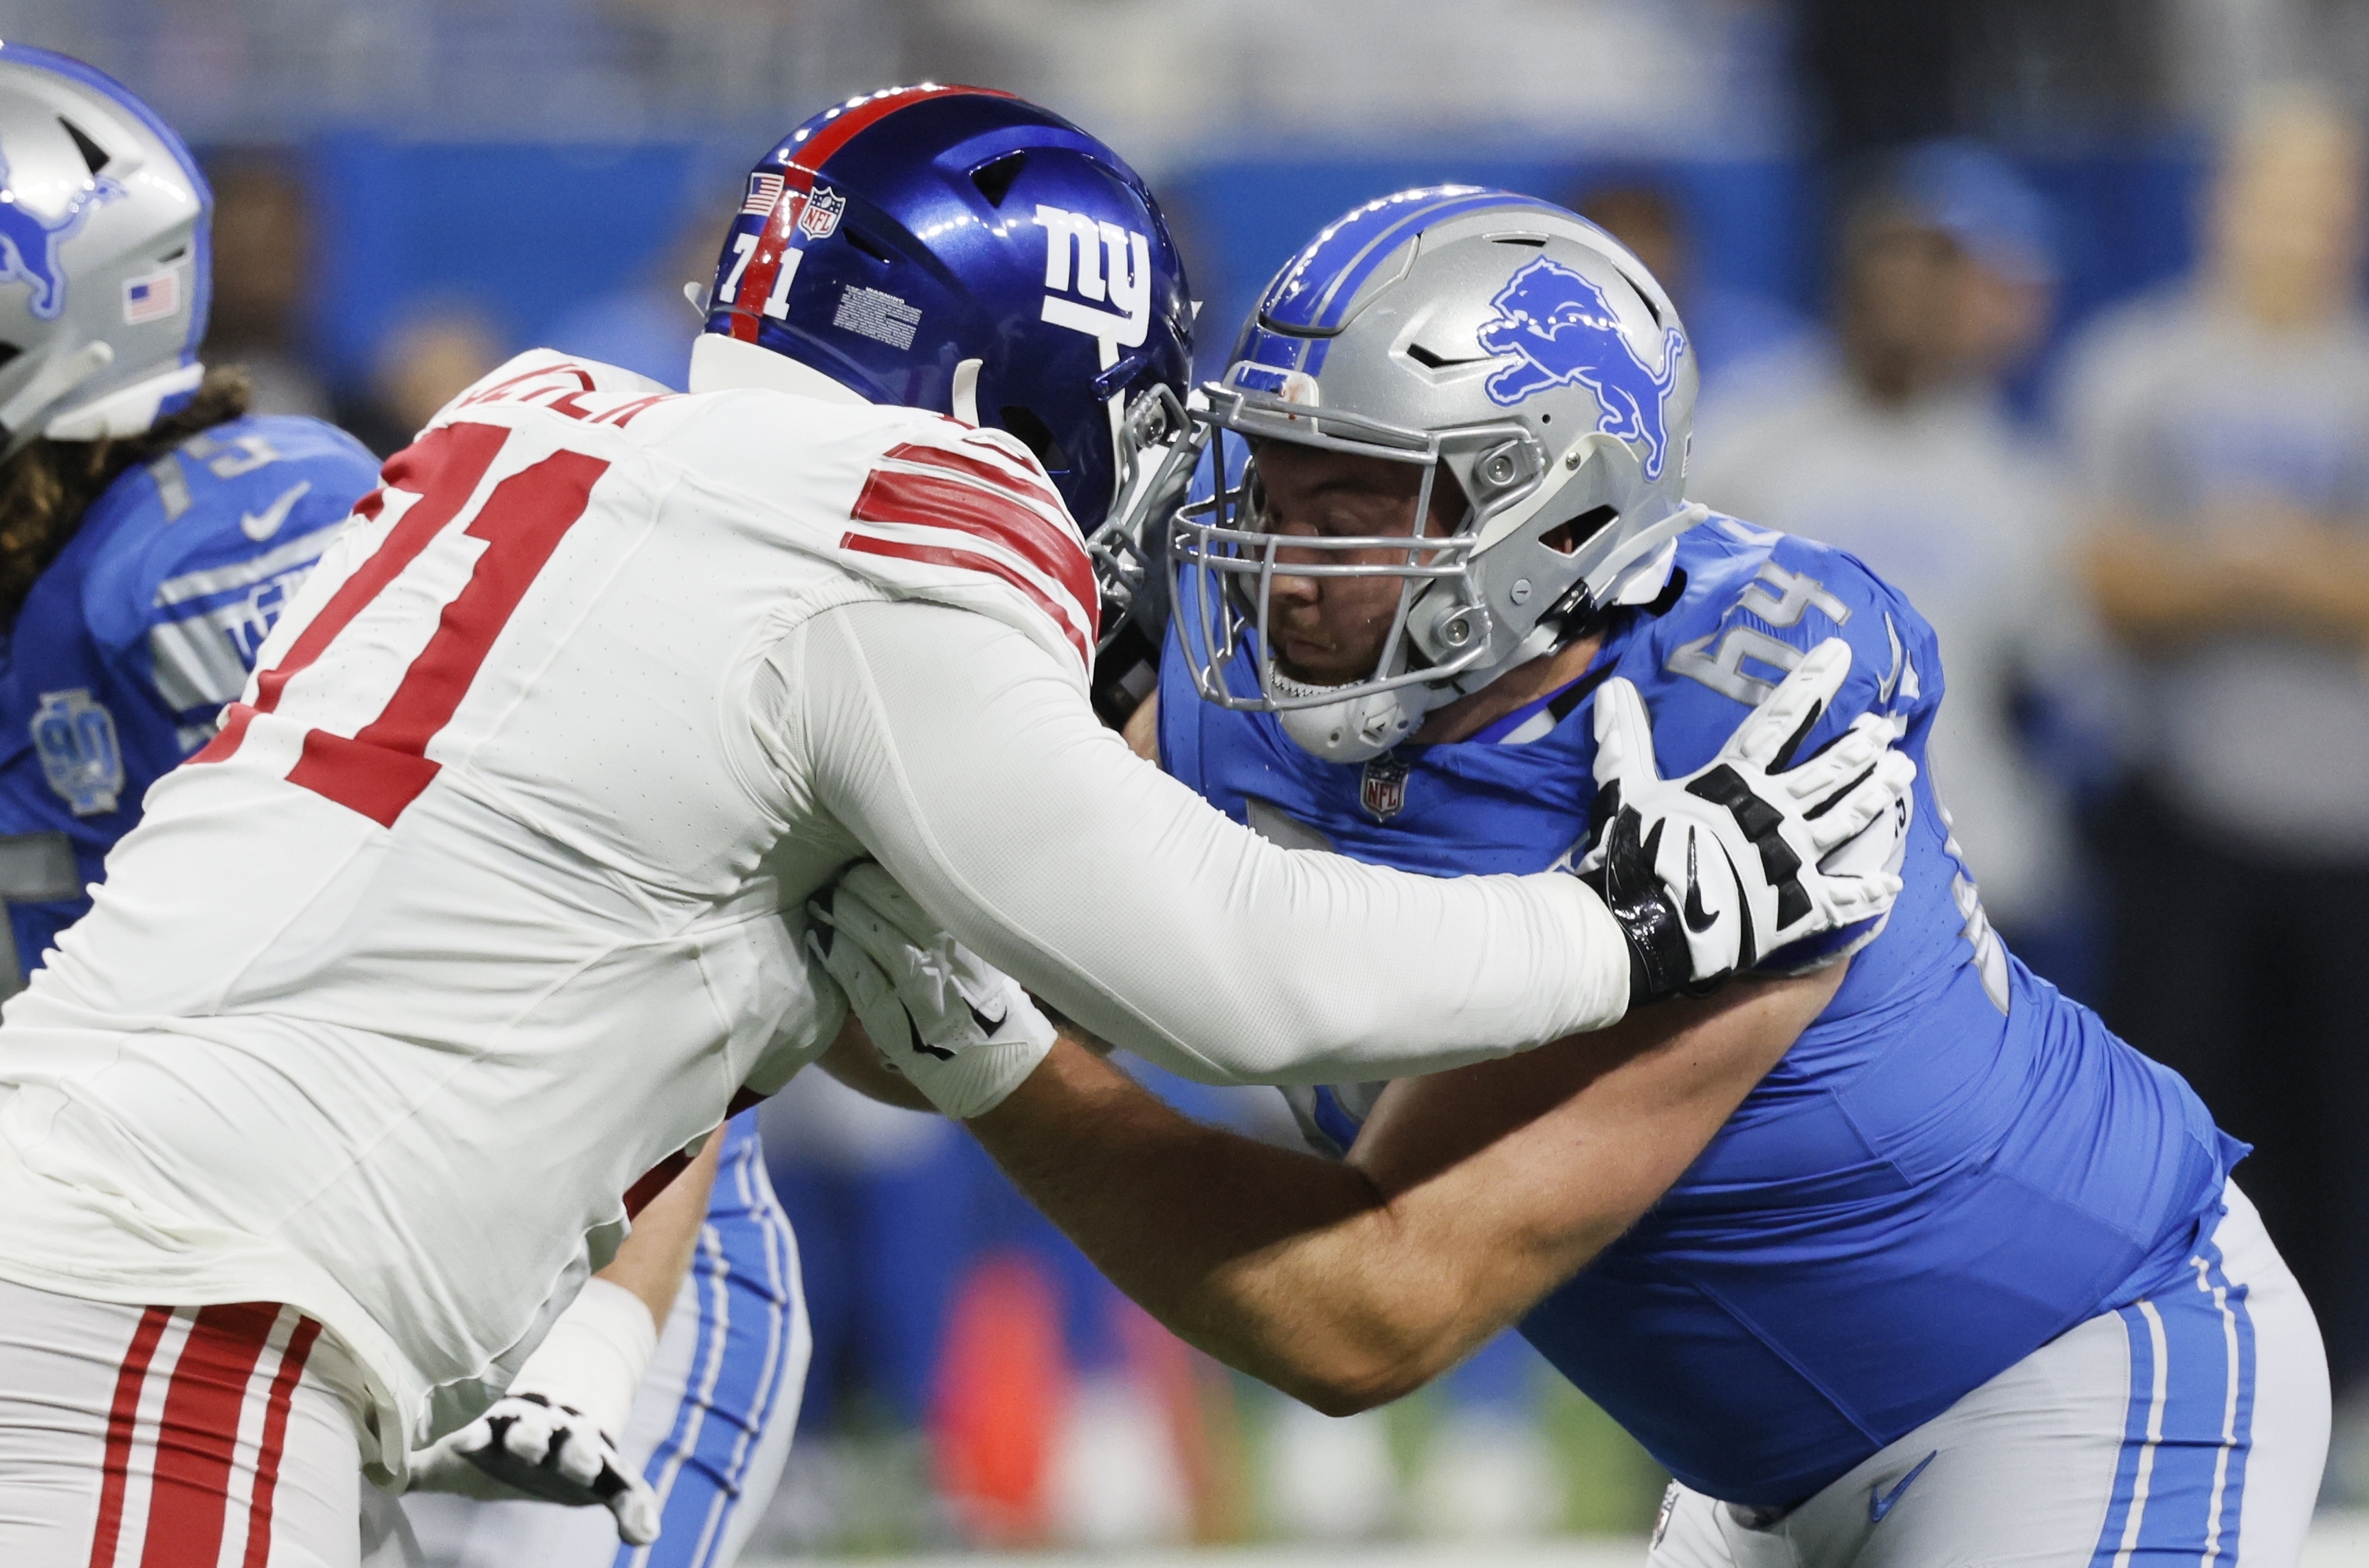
(2180, 1488)
(744, 1275)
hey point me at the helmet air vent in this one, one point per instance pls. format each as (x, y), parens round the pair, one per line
(8, 352)
(1534, 241)
(1567, 537)
(1643, 298)
(1036, 435)
(94, 156)
(1432, 360)
(867, 244)
(994, 177)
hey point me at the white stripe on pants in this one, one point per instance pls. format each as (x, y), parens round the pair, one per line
(2188, 1429)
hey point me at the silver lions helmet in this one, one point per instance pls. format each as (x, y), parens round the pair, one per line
(103, 266)
(1502, 340)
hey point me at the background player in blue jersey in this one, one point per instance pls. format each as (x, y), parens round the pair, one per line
(151, 532)
(1894, 1257)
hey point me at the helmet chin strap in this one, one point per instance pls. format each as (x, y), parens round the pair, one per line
(1355, 729)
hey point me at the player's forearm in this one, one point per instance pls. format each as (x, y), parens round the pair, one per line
(2148, 595)
(2283, 574)
(1293, 1269)
(969, 767)
(654, 1258)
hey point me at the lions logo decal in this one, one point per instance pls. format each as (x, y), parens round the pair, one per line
(1559, 329)
(28, 242)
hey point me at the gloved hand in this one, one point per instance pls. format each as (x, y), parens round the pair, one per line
(965, 1033)
(550, 1437)
(1711, 873)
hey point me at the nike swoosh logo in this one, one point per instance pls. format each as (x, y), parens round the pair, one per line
(260, 526)
(1698, 919)
(987, 1026)
(923, 1046)
(1880, 1504)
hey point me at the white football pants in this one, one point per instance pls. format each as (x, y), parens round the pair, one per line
(216, 1436)
(2188, 1429)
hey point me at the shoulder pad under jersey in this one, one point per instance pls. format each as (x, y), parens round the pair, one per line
(1755, 601)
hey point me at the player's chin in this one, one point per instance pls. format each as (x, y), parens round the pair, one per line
(1314, 665)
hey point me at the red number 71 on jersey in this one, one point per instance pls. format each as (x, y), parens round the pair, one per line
(383, 766)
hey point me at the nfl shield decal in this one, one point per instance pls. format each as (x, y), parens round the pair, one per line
(1381, 789)
(76, 737)
(819, 220)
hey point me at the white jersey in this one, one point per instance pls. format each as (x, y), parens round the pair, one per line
(488, 897)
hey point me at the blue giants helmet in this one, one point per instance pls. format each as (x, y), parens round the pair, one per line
(959, 250)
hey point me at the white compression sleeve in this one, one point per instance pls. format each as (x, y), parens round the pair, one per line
(956, 752)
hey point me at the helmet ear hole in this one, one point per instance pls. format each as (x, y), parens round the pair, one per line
(1034, 434)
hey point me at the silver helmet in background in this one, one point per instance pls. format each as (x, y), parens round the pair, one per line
(103, 236)
(1501, 338)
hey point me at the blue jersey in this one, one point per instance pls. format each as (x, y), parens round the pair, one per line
(1951, 1166)
(134, 637)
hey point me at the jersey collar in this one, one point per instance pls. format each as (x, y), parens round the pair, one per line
(724, 364)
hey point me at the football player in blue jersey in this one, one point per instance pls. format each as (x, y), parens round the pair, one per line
(150, 532)
(1892, 1255)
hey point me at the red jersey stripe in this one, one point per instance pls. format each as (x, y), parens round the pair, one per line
(1021, 483)
(928, 501)
(190, 1496)
(968, 560)
(275, 1441)
(121, 1417)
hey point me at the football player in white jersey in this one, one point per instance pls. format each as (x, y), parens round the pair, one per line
(151, 532)
(488, 900)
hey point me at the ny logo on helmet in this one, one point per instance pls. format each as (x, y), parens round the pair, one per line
(28, 242)
(1560, 330)
(1082, 239)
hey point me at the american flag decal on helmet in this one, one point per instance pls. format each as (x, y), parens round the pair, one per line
(764, 190)
(978, 507)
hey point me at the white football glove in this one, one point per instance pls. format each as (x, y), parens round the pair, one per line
(1711, 873)
(549, 1435)
(965, 1033)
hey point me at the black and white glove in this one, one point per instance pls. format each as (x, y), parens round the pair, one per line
(525, 1445)
(962, 1031)
(550, 1437)
(1712, 872)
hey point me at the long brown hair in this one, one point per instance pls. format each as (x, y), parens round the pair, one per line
(45, 489)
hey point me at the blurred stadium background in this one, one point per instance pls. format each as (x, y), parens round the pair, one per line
(411, 189)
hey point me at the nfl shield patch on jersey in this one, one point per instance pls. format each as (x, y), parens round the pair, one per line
(1381, 789)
